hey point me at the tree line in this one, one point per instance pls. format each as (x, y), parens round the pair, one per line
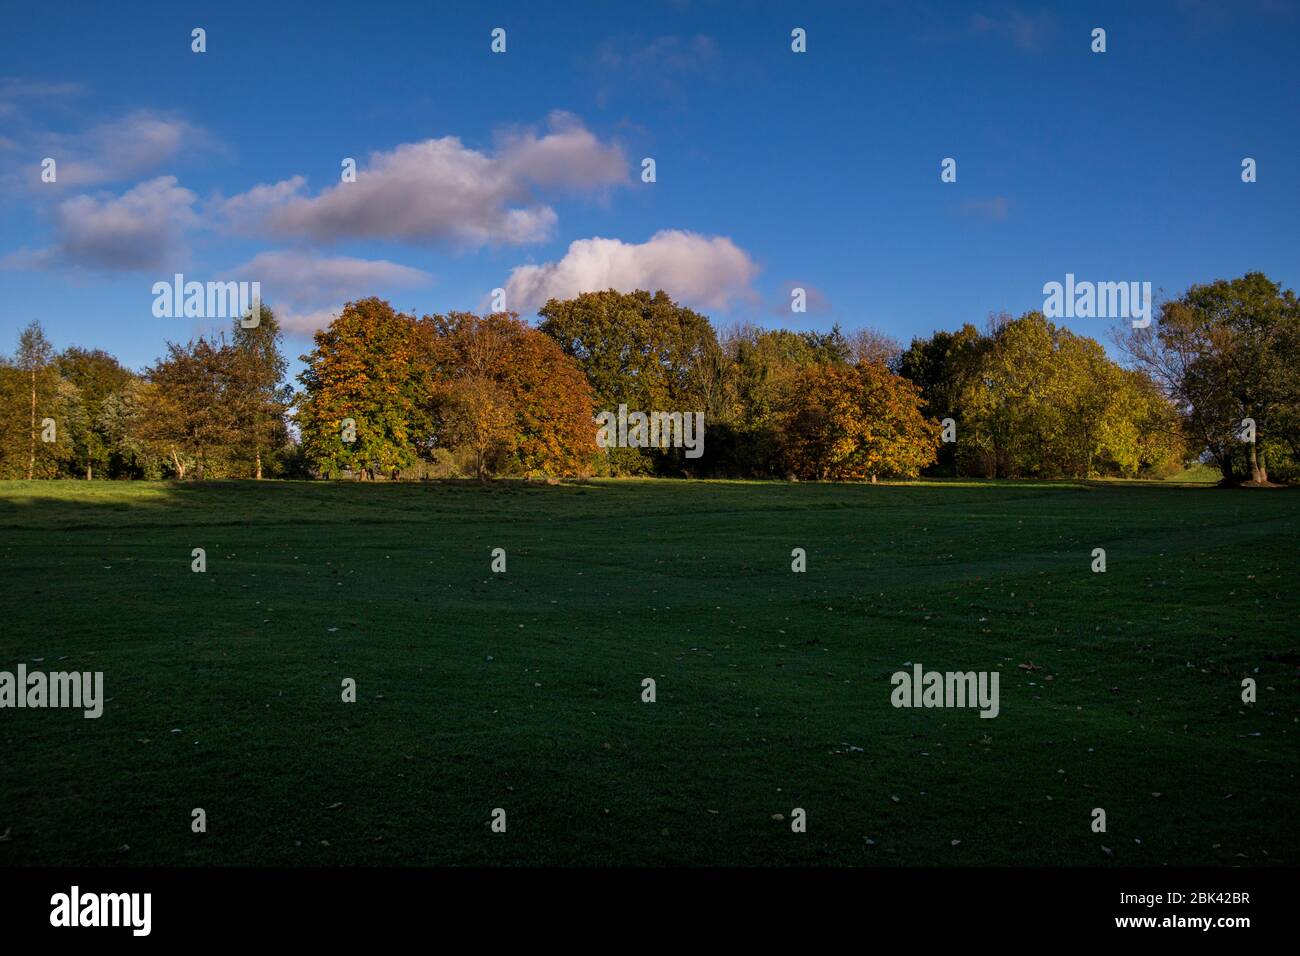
(386, 394)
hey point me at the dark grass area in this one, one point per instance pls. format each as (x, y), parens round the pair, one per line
(522, 690)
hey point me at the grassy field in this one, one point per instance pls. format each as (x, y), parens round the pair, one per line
(522, 690)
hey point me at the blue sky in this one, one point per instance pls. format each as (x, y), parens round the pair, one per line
(774, 169)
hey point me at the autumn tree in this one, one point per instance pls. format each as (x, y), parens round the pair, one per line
(187, 411)
(15, 423)
(366, 398)
(477, 418)
(856, 422)
(870, 346)
(762, 367)
(509, 393)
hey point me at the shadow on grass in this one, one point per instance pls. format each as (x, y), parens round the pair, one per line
(66, 504)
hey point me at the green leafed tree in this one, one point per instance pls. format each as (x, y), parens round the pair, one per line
(1225, 352)
(259, 396)
(638, 349)
(98, 377)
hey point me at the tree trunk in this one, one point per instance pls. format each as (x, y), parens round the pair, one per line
(88, 471)
(1258, 473)
(180, 469)
(259, 464)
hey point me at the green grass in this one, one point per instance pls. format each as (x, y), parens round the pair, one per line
(522, 690)
(1199, 473)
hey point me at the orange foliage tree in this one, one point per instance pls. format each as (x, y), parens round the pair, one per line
(495, 362)
(366, 393)
(855, 422)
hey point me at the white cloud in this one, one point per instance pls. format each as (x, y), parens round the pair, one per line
(707, 271)
(441, 191)
(124, 149)
(305, 323)
(17, 90)
(295, 274)
(302, 288)
(141, 230)
(569, 157)
(244, 213)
